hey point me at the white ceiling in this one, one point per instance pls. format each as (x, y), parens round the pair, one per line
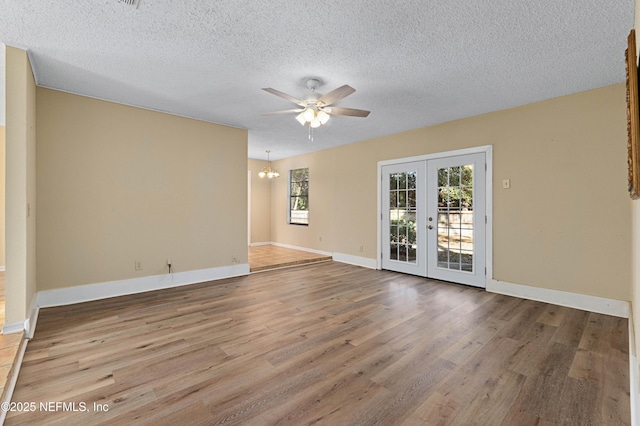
(413, 63)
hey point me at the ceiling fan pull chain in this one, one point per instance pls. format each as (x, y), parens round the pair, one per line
(310, 133)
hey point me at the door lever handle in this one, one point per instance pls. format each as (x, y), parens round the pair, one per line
(430, 227)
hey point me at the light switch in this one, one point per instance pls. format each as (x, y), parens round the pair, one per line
(506, 183)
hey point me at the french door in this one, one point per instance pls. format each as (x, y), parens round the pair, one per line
(433, 218)
(403, 218)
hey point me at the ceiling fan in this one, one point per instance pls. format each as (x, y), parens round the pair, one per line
(315, 109)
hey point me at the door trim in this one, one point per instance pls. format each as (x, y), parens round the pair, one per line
(488, 151)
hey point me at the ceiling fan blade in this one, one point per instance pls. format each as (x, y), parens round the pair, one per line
(336, 95)
(283, 95)
(286, 111)
(351, 112)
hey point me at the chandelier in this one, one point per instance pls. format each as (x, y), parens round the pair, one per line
(268, 171)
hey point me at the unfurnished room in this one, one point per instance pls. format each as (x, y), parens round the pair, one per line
(338, 213)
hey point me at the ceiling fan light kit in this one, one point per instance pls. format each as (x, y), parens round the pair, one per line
(309, 114)
(315, 110)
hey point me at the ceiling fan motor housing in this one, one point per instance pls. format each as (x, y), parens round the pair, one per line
(313, 84)
(312, 98)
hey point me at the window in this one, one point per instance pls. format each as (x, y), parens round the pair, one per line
(299, 196)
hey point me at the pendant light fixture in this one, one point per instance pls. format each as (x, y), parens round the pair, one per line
(268, 171)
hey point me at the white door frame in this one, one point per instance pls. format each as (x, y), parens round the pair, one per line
(488, 151)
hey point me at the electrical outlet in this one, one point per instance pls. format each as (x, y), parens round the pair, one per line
(361, 249)
(234, 259)
(320, 238)
(137, 265)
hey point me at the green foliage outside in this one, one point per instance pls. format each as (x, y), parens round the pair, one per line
(455, 187)
(403, 231)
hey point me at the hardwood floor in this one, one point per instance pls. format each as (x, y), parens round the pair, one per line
(9, 345)
(326, 344)
(2, 297)
(262, 258)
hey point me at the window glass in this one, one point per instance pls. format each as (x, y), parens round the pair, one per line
(299, 196)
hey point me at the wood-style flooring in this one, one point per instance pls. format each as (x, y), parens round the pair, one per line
(2, 296)
(9, 344)
(266, 257)
(325, 344)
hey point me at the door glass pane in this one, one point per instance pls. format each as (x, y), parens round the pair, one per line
(402, 180)
(443, 257)
(455, 218)
(393, 182)
(454, 176)
(403, 244)
(443, 177)
(393, 255)
(402, 199)
(411, 198)
(411, 180)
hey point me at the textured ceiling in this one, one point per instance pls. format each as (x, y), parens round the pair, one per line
(413, 63)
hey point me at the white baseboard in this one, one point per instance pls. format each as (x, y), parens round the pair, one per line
(86, 293)
(601, 305)
(356, 260)
(263, 243)
(13, 327)
(325, 253)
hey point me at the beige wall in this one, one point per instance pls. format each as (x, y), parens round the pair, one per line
(260, 203)
(118, 184)
(635, 252)
(20, 185)
(2, 195)
(563, 225)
